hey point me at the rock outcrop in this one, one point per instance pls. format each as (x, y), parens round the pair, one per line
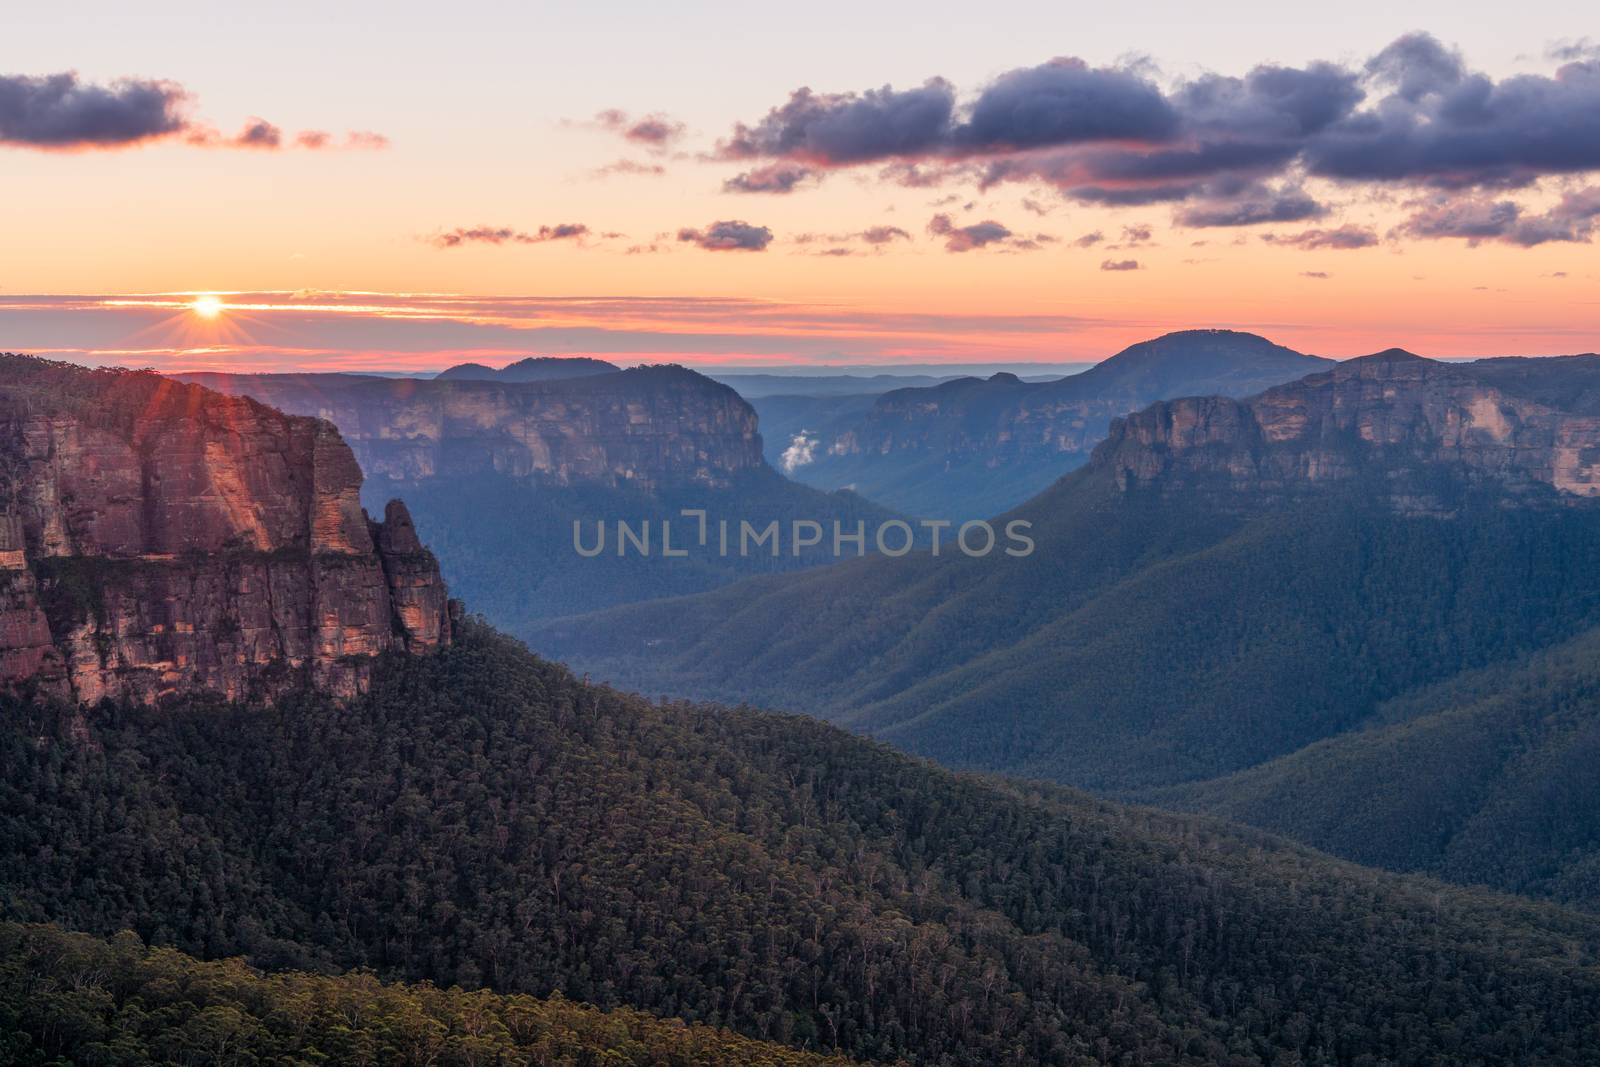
(157, 537)
(1422, 428)
(646, 428)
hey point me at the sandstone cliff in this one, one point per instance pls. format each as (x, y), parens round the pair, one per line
(646, 428)
(1422, 428)
(157, 537)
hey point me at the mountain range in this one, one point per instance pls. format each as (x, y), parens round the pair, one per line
(1378, 569)
(1226, 583)
(975, 447)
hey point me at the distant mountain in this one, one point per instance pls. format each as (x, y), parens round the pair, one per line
(499, 473)
(1225, 583)
(159, 538)
(482, 819)
(974, 447)
(531, 369)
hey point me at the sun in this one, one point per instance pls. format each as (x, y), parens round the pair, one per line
(207, 307)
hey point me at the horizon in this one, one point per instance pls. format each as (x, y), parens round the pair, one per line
(1420, 181)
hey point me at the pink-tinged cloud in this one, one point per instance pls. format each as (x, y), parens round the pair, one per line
(654, 131)
(630, 167)
(1340, 238)
(500, 235)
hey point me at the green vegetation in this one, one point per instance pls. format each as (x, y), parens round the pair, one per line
(1485, 779)
(1148, 641)
(484, 819)
(69, 998)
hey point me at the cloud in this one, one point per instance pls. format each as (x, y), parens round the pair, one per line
(874, 237)
(1138, 234)
(728, 236)
(1031, 205)
(772, 178)
(1342, 237)
(654, 131)
(58, 111)
(1477, 219)
(1251, 207)
(630, 167)
(834, 129)
(1089, 240)
(882, 235)
(967, 238)
(565, 231)
(1214, 145)
(259, 133)
(1120, 264)
(1320, 275)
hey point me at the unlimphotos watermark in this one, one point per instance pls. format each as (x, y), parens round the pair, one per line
(741, 537)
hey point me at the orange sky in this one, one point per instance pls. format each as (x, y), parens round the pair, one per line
(483, 139)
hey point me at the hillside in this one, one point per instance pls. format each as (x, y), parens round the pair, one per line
(481, 817)
(68, 998)
(1487, 778)
(975, 447)
(1226, 583)
(498, 472)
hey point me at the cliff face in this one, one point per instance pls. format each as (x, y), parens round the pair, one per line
(158, 537)
(1406, 420)
(648, 428)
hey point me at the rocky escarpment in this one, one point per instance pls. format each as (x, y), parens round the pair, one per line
(646, 428)
(156, 537)
(1421, 427)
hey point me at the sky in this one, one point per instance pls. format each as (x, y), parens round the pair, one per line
(401, 187)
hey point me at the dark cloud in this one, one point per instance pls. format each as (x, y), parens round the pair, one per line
(1120, 264)
(1252, 208)
(1414, 114)
(490, 235)
(1444, 125)
(1477, 219)
(967, 238)
(728, 236)
(59, 111)
(772, 178)
(1065, 102)
(1137, 234)
(834, 129)
(1342, 237)
(655, 131)
(1089, 240)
